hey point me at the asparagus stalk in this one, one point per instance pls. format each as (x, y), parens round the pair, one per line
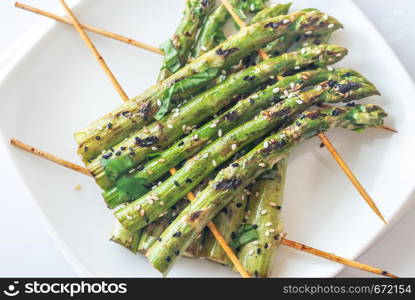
(134, 114)
(139, 213)
(178, 49)
(212, 34)
(123, 237)
(134, 185)
(266, 195)
(230, 181)
(108, 167)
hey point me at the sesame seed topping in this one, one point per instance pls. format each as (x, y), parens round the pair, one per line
(142, 212)
(330, 26)
(272, 230)
(214, 163)
(220, 133)
(262, 165)
(150, 201)
(154, 148)
(129, 218)
(161, 203)
(256, 194)
(299, 101)
(205, 155)
(308, 32)
(267, 232)
(268, 224)
(273, 204)
(286, 21)
(150, 172)
(213, 125)
(234, 147)
(158, 102)
(256, 243)
(196, 136)
(170, 126)
(264, 212)
(251, 252)
(255, 96)
(276, 90)
(330, 68)
(266, 144)
(162, 160)
(203, 48)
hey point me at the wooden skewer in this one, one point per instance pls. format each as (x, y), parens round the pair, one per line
(222, 242)
(322, 136)
(227, 249)
(90, 28)
(335, 258)
(94, 50)
(49, 157)
(215, 232)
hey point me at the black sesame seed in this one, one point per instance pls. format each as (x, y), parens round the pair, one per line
(235, 165)
(233, 235)
(139, 168)
(189, 180)
(258, 251)
(97, 137)
(331, 83)
(238, 249)
(255, 226)
(177, 234)
(317, 42)
(256, 273)
(351, 104)
(266, 245)
(252, 101)
(276, 237)
(181, 144)
(123, 148)
(86, 149)
(159, 239)
(176, 183)
(278, 207)
(238, 205)
(177, 252)
(321, 145)
(147, 220)
(118, 153)
(109, 125)
(168, 258)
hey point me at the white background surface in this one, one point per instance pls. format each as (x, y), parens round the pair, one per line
(26, 248)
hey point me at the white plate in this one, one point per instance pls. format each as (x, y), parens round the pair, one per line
(55, 87)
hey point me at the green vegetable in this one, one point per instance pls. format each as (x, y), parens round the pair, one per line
(266, 195)
(205, 105)
(230, 181)
(134, 114)
(217, 152)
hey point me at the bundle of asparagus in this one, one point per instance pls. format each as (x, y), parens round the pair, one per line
(228, 120)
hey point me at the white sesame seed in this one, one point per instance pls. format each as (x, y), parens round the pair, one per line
(220, 133)
(264, 212)
(329, 68)
(297, 68)
(205, 155)
(196, 136)
(273, 204)
(325, 17)
(286, 21)
(318, 87)
(161, 203)
(129, 218)
(318, 51)
(266, 144)
(213, 125)
(234, 147)
(330, 26)
(150, 201)
(262, 165)
(256, 194)
(308, 32)
(299, 101)
(214, 163)
(306, 44)
(268, 224)
(255, 96)
(162, 160)
(303, 50)
(154, 148)
(158, 102)
(170, 126)
(276, 90)
(338, 54)
(203, 48)
(272, 230)
(142, 212)
(138, 207)
(267, 232)
(252, 7)
(256, 243)
(251, 252)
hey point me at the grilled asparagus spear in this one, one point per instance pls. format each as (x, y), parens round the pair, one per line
(139, 213)
(266, 194)
(108, 167)
(134, 114)
(230, 181)
(126, 239)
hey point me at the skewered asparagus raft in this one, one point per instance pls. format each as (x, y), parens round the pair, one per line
(230, 181)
